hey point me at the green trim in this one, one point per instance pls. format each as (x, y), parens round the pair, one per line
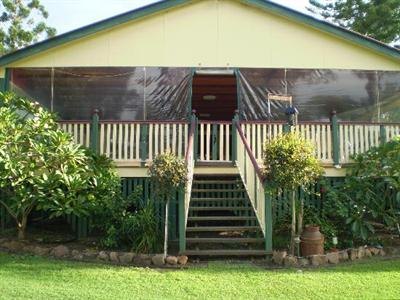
(94, 137)
(5, 82)
(286, 128)
(335, 140)
(182, 225)
(382, 134)
(214, 142)
(234, 138)
(144, 129)
(145, 11)
(2, 84)
(268, 223)
(190, 95)
(238, 108)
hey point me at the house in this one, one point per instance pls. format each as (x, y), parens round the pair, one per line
(127, 86)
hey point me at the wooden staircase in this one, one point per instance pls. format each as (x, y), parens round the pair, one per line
(221, 220)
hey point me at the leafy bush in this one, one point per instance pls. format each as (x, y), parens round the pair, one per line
(42, 168)
(290, 163)
(129, 223)
(168, 174)
(370, 193)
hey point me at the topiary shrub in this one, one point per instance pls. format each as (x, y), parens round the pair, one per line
(290, 163)
(168, 174)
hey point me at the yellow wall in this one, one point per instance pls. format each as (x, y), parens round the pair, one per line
(213, 33)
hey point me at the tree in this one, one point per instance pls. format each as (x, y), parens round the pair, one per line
(290, 163)
(41, 167)
(22, 24)
(379, 19)
(168, 174)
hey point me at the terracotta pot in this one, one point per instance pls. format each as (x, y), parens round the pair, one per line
(312, 241)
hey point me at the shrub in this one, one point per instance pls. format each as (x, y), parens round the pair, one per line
(168, 174)
(129, 223)
(290, 163)
(370, 193)
(42, 168)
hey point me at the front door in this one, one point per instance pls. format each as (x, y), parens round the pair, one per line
(214, 96)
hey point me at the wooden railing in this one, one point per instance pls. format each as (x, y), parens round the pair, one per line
(139, 141)
(253, 180)
(190, 162)
(80, 131)
(215, 140)
(353, 138)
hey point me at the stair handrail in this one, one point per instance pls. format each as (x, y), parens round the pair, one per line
(250, 153)
(253, 179)
(190, 162)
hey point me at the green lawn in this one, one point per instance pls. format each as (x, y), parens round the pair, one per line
(26, 277)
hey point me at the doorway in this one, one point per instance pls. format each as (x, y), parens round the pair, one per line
(214, 96)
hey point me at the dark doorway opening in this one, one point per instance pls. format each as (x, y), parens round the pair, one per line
(214, 96)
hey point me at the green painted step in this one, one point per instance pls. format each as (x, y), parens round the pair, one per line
(216, 190)
(222, 218)
(219, 208)
(222, 228)
(217, 199)
(226, 252)
(224, 240)
(217, 181)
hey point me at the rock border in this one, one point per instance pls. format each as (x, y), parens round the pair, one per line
(94, 255)
(281, 258)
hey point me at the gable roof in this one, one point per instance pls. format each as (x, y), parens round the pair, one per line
(162, 5)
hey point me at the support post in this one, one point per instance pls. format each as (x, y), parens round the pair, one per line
(234, 135)
(268, 223)
(382, 134)
(5, 82)
(94, 137)
(286, 128)
(194, 120)
(2, 219)
(335, 140)
(143, 142)
(182, 225)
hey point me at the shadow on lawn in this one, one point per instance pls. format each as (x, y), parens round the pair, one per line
(25, 265)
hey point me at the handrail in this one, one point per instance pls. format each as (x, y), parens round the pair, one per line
(250, 153)
(189, 160)
(144, 122)
(253, 180)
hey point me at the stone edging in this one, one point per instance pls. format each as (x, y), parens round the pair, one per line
(91, 255)
(282, 259)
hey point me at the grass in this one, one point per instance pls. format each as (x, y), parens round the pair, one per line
(28, 277)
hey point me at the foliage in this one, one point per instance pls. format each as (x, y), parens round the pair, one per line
(22, 24)
(371, 191)
(379, 19)
(168, 173)
(289, 162)
(128, 223)
(42, 168)
(30, 277)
